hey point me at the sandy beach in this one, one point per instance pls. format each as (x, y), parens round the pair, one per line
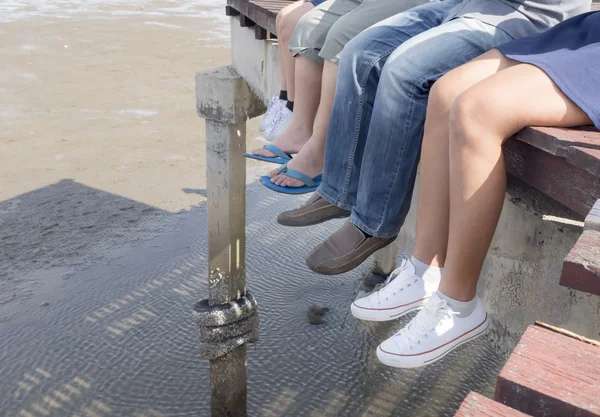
(97, 99)
(104, 95)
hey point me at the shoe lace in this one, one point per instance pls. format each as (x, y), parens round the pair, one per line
(425, 322)
(383, 295)
(277, 121)
(272, 105)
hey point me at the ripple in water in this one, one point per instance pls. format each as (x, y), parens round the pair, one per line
(119, 339)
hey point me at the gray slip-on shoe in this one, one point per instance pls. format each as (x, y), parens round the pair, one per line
(344, 250)
(316, 210)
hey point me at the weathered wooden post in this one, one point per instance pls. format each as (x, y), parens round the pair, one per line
(228, 319)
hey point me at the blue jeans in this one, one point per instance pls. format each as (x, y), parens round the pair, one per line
(374, 138)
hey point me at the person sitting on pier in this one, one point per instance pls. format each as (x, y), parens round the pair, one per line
(317, 42)
(374, 139)
(549, 79)
(280, 107)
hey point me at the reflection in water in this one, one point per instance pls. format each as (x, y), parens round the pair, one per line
(118, 339)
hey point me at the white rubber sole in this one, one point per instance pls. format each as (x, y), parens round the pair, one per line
(386, 315)
(397, 361)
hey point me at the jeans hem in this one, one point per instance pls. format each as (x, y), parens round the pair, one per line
(331, 200)
(356, 221)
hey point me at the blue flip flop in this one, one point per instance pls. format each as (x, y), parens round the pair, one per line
(310, 184)
(281, 157)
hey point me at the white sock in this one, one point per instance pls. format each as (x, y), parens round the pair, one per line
(463, 308)
(431, 274)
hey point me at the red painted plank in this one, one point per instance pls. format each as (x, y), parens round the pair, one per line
(584, 158)
(557, 141)
(549, 374)
(476, 405)
(581, 268)
(575, 188)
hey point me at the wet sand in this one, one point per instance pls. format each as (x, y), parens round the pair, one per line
(99, 137)
(118, 339)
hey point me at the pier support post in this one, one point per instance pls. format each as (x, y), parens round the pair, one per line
(224, 99)
(384, 262)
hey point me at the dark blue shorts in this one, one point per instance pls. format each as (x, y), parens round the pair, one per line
(317, 2)
(569, 53)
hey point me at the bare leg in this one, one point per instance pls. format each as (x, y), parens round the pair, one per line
(310, 159)
(523, 95)
(434, 197)
(308, 75)
(286, 22)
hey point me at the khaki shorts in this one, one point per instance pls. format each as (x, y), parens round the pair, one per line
(322, 33)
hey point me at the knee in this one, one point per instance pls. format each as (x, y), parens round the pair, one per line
(442, 95)
(397, 78)
(282, 13)
(409, 71)
(468, 118)
(357, 57)
(338, 36)
(356, 49)
(286, 23)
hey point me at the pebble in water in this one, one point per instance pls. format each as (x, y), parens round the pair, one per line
(316, 314)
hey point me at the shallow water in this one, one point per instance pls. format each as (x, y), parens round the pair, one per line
(205, 12)
(118, 339)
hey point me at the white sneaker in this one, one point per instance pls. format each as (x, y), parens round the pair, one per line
(402, 293)
(432, 333)
(273, 108)
(280, 124)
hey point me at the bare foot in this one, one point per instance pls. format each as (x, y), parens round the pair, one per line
(291, 141)
(309, 161)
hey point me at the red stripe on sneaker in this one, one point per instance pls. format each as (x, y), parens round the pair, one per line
(391, 308)
(441, 346)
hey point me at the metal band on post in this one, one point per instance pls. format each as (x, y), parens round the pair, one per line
(224, 327)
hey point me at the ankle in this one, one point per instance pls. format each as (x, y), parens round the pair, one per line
(299, 132)
(424, 254)
(463, 308)
(423, 268)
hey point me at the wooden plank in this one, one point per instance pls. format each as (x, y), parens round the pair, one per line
(575, 188)
(260, 33)
(240, 5)
(476, 405)
(581, 268)
(584, 158)
(557, 141)
(261, 12)
(230, 11)
(246, 22)
(568, 333)
(549, 374)
(263, 17)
